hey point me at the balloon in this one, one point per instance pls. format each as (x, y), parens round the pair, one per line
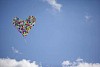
(24, 26)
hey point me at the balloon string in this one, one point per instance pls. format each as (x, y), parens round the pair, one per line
(25, 41)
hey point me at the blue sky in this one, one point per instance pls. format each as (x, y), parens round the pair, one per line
(64, 30)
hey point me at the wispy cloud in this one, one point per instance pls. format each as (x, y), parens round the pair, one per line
(54, 4)
(87, 17)
(79, 63)
(7, 62)
(16, 51)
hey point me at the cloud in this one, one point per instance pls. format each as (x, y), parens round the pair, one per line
(7, 62)
(54, 4)
(16, 51)
(79, 63)
(66, 63)
(87, 18)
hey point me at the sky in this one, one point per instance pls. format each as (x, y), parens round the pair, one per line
(66, 33)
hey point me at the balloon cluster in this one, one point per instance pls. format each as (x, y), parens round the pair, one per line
(24, 26)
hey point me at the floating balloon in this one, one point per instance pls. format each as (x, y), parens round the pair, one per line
(24, 26)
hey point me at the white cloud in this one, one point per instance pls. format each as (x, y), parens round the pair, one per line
(87, 18)
(79, 60)
(7, 62)
(79, 63)
(16, 51)
(54, 4)
(66, 63)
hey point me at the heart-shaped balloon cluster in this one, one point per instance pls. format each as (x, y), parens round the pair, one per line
(24, 26)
